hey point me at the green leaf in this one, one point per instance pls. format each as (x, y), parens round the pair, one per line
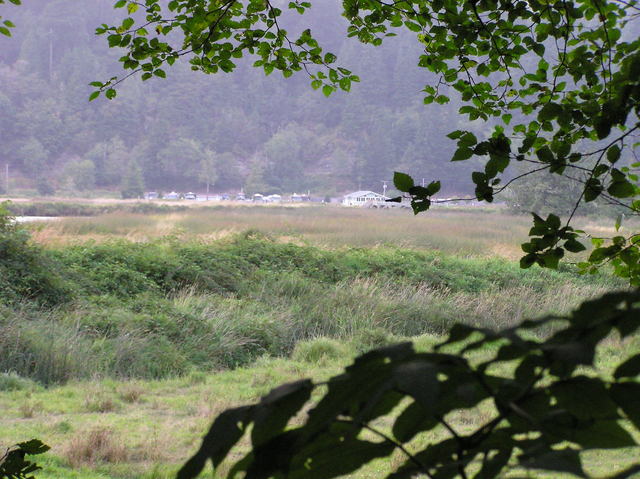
(613, 154)
(319, 460)
(33, 447)
(601, 434)
(602, 127)
(551, 258)
(127, 23)
(225, 432)
(621, 189)
(419, 380)
(574, 246)
(593, 188)
(467, 139)
(492, 466)
(419, 206)
(626, 395)
(528, 260)
(584, 397)
(412, 420)
(402, 181)
(94, 95)
(462, 154)
(619, 219)
(549, 112)
(629, 369)
(433, 188)
(558, 460)
(553, 222)
(545, 155)
(276, 409)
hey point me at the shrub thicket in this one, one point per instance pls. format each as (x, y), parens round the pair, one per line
(63, 208)
(167, 307)
(26, 272)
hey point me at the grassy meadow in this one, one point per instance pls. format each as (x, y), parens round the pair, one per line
(130, 331)
(455, 231)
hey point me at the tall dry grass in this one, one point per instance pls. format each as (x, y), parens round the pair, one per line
(270, 317)
(457, 232)
(93, 447)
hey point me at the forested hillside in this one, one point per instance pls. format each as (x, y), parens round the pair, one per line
(243, 130)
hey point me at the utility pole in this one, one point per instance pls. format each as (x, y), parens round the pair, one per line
(50, 55)
(423, 182)
(6, 177)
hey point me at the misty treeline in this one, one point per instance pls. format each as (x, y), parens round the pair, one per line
(265, 134)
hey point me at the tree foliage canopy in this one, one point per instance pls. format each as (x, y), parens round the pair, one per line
(6, 24)
(558, 81)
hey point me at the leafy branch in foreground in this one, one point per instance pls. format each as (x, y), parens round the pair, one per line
(13, 464)
(558, 81)
(214, 35)
(5, 25)
(540, 404)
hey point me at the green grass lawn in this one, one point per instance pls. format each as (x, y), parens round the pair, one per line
(129, 429)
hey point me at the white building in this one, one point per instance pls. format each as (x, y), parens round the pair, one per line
(364, 198)
(297, 198)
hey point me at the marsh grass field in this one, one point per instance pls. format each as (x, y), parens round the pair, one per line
(148, 325)
(477, 232)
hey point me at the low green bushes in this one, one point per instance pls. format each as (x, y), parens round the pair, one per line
(26, 271)
(62, 208)
(319, 350)
(167, 308)
(14, 382)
